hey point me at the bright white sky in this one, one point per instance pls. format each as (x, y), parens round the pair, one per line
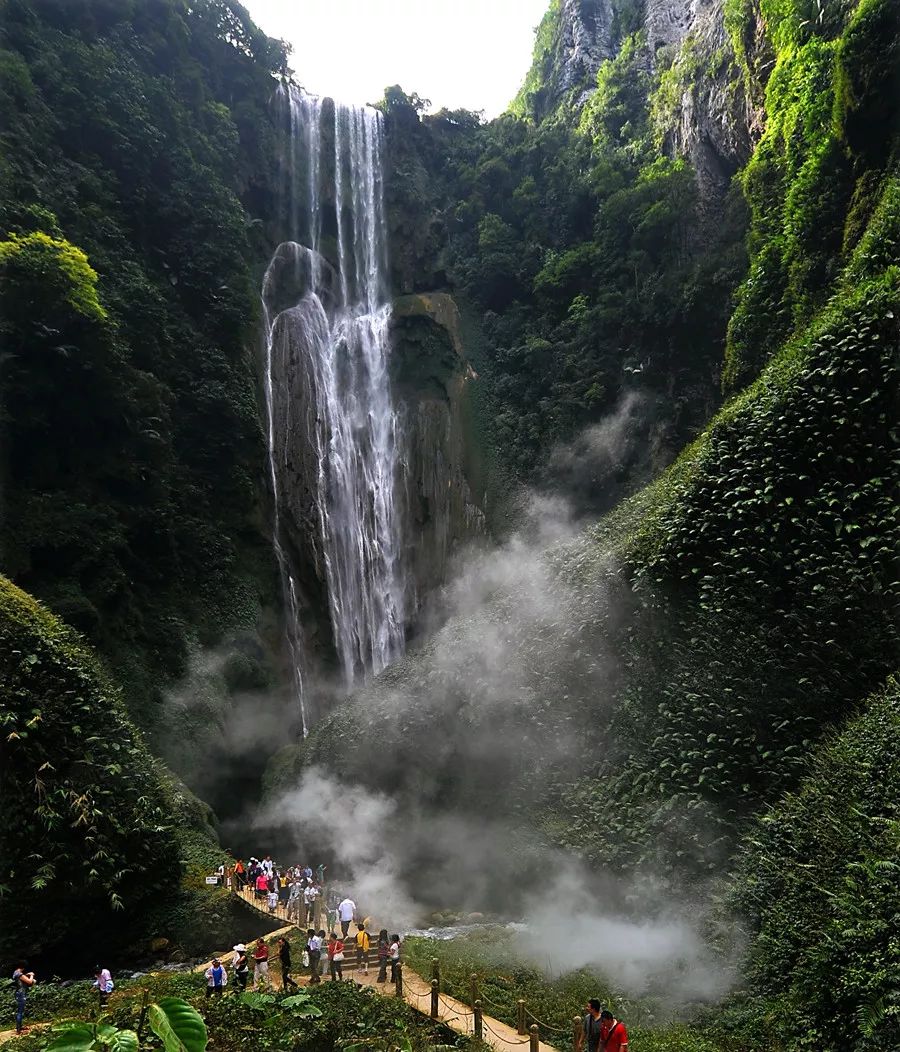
(472, 54)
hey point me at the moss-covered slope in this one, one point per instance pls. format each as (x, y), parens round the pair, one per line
(92, 830)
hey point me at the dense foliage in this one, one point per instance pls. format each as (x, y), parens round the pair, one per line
(828, 157)
(86, 817)
(818, 882)
(132, 445)
(577, 246)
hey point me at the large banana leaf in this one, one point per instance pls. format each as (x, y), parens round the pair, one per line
(178, 1025)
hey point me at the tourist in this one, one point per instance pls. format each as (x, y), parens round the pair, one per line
(395, 957)
(262, 885)
(260, 964)
(336, 956)
(309, 899)
(614, 1036)
(104, 984)
(240, 874)
(320, 874)
(314, 949)
(384, 953)
(362, 949)
(293, 903)
(22, 983)
(346, 913)
(284, 956)
(272, 900)
(241, 968)
(216, 978)
(591, 1027)
(308, 874)
(268, 866)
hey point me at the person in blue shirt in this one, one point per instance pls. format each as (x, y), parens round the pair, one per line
(216, 978)
(22, 983)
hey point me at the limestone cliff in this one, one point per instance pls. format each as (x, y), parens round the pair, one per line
(707, 118)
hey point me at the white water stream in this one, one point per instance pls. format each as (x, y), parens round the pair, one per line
(334, 435)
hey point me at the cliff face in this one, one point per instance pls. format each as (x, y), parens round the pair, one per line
(443, 509)
(706, 118)
(585, 39)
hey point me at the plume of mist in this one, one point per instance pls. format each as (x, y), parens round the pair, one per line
(592, 469)
(578, 920)
(355, 825)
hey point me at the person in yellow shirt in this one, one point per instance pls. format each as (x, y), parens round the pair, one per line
(362, 949)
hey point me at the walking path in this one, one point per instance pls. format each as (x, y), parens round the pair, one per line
(416, 992)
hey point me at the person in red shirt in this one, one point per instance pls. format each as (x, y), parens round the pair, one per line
(613, 1035)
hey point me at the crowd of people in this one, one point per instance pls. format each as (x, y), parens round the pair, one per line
(300, 890)
(321, 951)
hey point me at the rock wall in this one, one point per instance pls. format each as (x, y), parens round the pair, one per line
(713, 123)
(432, 376)
(584, 40)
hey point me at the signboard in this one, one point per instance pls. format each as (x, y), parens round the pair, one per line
(212, 880)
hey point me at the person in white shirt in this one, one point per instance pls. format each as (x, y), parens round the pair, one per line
(310, 895)
(346, 914)
(216, 978)
(104, 984)
(268, 866)
(395, 956)
(314, 949)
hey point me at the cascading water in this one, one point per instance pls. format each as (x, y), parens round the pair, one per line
(334, 436)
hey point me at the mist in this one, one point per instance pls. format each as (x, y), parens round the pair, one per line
(427, 789)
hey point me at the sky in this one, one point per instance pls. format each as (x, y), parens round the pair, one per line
(470, 54)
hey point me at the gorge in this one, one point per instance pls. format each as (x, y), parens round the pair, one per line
(530, 481)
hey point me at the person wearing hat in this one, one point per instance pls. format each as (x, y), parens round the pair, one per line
(241, 968)
(216, 978)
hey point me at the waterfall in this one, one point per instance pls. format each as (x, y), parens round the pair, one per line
(335, 438)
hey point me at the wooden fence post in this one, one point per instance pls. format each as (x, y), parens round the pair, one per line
(534, 1040)
(473, 981)
(576, 1030)
(478, 1020)
(398, 985)
(520, 1018)
(435, 993)
(435, 969)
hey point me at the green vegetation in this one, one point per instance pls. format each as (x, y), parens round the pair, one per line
(137, 142)
(572, 240)
(85, 813)
(817, 880)
(502, 979)
(827, 155)
(177, 1024)
(319, 1019)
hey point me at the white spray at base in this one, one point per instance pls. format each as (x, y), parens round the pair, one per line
(574, 919)
(334, 436)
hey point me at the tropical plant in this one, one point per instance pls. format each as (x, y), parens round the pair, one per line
(176, 1023)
